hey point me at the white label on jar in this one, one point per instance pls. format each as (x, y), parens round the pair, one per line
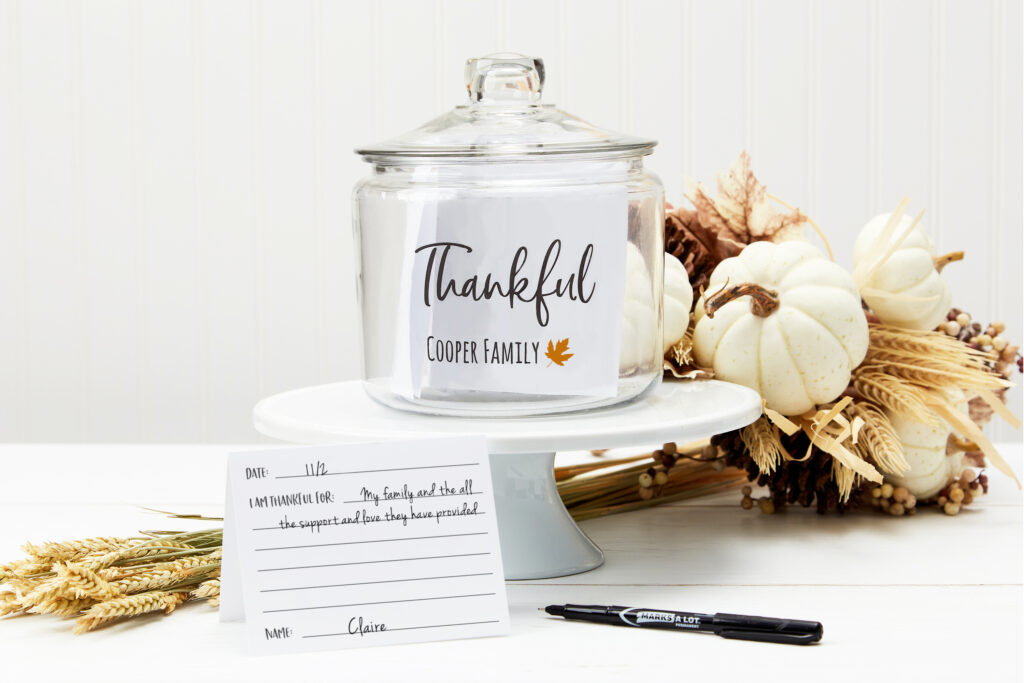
(513, 294)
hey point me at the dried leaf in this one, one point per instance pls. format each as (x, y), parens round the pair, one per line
(556, 353)
(742, 211)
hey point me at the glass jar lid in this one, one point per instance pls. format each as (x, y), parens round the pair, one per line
(505, 119)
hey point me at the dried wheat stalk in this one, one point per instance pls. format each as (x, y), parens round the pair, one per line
(61, 606)
(109, 578)
(20, 569)
(936, 373)
(888, 338)
(10, 603)
(875, 384)
(82, 582)
(207, 589)
(139, 551)
(877, 438)
(133, 605)
(70, 550)
(167, 574)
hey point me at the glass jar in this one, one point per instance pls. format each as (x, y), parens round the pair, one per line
(510, 257)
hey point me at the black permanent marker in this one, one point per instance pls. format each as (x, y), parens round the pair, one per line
(736, 626)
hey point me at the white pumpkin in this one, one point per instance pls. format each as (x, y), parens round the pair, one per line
(799, 334)
(639, 319)
(678, 300)
(906, 290)
(638, 315)
(924, 446)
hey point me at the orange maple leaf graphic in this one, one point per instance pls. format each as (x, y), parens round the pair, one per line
(557, 352)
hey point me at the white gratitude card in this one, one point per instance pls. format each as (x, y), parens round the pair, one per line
(353, 545)
(513, 293)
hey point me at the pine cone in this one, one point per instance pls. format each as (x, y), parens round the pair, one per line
(807, 482)
(698, 247)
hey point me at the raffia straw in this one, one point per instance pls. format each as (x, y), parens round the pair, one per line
(815, 226)
(884, 245)
(844, 477)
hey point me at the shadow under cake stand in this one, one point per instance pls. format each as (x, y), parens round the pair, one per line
(538, 537)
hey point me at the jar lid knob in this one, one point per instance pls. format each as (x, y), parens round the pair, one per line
(505, 78)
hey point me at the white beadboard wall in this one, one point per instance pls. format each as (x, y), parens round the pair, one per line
(175, 176)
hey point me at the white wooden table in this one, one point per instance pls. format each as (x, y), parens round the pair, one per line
(925, 599)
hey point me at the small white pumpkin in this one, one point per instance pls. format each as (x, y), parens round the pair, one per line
(924, 447)
(638, 315)
(798, 336)
(678, 301)
(639, 320)
(906, 290)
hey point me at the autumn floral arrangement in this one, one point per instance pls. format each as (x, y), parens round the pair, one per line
(874, 394)
(874, 389)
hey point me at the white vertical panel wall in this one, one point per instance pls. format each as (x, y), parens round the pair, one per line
(174, 176)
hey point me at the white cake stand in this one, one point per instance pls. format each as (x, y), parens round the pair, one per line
(538, 537)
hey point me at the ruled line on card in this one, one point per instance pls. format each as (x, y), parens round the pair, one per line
(375, 540)
(347, 564)
(359, 523)
(367, 583)
(408, 628)
(437, 496)
(379, 602)
(393, 469)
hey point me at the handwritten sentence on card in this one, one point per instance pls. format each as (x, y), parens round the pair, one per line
(363, 516)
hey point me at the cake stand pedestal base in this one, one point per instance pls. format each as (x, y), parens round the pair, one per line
(539, 539)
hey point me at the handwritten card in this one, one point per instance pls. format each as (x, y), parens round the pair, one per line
(353, 545)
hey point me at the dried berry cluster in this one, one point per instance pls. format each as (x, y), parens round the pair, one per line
(1005, 356)
(951, 500)
(652, 481)
(897, 501)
